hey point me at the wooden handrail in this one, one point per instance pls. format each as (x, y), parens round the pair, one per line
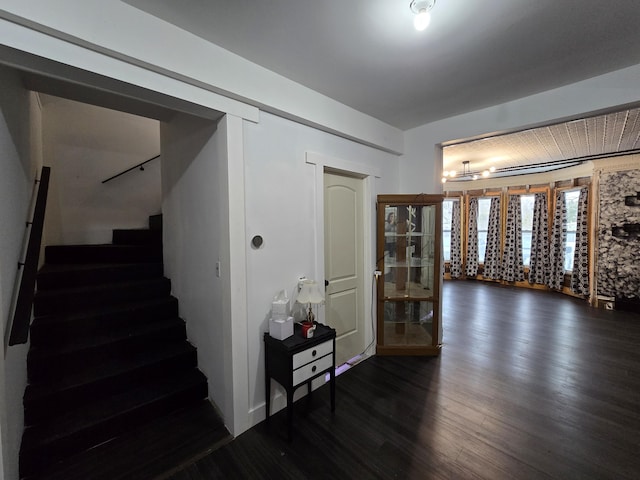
(24, 303)
(140, 166)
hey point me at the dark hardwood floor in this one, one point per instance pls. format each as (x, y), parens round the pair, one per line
(529, 385)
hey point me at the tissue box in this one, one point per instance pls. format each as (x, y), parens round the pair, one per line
(280, 309)
(281, 328)
(280, 305)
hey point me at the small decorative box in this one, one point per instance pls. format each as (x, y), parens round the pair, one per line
(281, 328)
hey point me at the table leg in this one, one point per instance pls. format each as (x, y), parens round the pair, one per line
(290, 413)
(267, 393)
(267, 385)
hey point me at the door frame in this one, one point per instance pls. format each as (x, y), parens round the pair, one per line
(368, 174)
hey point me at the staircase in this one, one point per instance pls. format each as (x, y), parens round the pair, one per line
(114, 390)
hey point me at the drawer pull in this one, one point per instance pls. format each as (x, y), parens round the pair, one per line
(314, 368)
(312, 354)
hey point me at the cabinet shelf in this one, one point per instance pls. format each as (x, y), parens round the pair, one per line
(411, 264)
(408, 297)
(412, 234)
(412, 291)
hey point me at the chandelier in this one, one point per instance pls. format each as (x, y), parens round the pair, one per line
(466, 173)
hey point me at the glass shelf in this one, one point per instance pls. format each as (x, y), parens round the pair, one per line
(408, 323)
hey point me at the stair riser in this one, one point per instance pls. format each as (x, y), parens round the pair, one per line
(155, 222)
(38, 459)
(96, 276)
(44, 333)
(69, 254)
(63, 364)
(52, 303)
(49, 406)
(137, 237)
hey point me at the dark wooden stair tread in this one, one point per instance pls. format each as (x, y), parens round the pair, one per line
(99, 246)
(93, 340)
(93, 289)
(150, 451)
(53, 276)
(103, 253)
(64, 268)
(106, 409)
(116, 366)
(137, 236)
(92, 296)
(104, 311)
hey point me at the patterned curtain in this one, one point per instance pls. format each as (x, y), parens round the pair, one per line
(580, 274)
(512, 263)
(471, 268)
(492, 254)
(539, 263)
(558, 240)
(456, 254)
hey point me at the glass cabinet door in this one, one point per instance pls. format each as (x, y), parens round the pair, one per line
(409, 287)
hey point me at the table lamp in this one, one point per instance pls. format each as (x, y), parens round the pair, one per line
(310, 294)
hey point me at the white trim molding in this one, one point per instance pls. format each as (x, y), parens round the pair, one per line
(144, 42)
(368, 174)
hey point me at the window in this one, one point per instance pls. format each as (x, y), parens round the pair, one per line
(571, 199)
(447, 215)
(526, 211)
(484, 206)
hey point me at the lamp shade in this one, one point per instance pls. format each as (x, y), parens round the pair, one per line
(310, 293)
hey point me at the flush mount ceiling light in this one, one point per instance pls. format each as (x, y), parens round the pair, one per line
(421, 9)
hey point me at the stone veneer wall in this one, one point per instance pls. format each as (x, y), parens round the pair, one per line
(618, 267)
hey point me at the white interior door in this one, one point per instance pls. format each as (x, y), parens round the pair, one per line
(344, 260)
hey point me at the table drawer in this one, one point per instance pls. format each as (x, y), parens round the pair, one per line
(307, 371)
(312, 354)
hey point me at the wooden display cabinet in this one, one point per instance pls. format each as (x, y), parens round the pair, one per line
(409, 235)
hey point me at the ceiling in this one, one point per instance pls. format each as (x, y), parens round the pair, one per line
(475, 54)
(547, 148)
(366, 53)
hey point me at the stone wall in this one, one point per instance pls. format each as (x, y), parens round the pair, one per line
(618, 266)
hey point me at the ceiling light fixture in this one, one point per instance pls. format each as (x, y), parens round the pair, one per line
(421, 10)
(466, 173)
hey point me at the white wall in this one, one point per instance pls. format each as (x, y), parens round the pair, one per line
(281, 206)
(421, 166)
(85, 145)
(116, 30)
(20, 162)
(196, 236)
(222, 186)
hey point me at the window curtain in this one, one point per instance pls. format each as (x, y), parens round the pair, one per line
(512, 262)
(580, 274)
(471, 267)
(492, 253)
(558, 240)
(455, 264)
(539, 263)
